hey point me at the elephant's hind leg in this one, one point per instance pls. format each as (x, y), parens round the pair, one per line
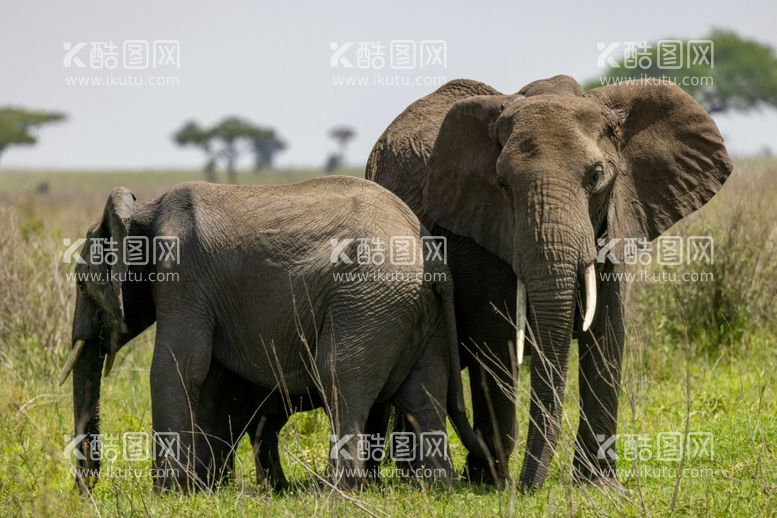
(422, 399)
(350, 388)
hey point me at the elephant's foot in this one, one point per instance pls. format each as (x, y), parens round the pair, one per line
(273, 479)
(476, 472)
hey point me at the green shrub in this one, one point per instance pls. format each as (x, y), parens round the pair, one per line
(737, 297)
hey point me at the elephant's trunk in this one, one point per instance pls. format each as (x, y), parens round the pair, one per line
(553, 255)
(86, 406)
(551, 318)
(589, 309)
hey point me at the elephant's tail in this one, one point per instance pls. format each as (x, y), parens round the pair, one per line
(456, 410)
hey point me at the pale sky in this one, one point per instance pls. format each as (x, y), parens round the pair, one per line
(270, 62)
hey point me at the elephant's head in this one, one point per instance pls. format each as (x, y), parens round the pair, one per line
(538, 176)
(99, 326)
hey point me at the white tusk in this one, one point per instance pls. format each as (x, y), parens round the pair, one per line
(75, 352)
(590, 296)
(108, 364)
(520, 319)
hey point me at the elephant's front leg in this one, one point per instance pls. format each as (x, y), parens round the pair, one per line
(494, 419)
(601, 352)
(264, 441)
(482, 282)
(181, 362)
(225, 412)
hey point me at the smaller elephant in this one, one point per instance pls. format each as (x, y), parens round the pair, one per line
(266, 283)
(232, 408)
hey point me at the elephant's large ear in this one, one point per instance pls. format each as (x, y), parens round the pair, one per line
(115, 226)
(460, 188)
(673, 157)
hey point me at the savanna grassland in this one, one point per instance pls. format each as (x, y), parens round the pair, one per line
(701, 358)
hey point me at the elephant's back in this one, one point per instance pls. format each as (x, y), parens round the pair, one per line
(289, 224)
(343, 203)
(322, 198)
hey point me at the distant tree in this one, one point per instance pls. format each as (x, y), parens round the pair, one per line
(230, 131)
(18, 126)
(743, 73)
(265, 144)
(342, 135)
(191, 134)
(333, 162)
(227, 140)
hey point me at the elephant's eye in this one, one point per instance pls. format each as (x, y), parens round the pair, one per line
(596, 176)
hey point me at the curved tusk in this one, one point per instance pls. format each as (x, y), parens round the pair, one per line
(520, 319)
(108, 364)
(590, 296)
(72, 358)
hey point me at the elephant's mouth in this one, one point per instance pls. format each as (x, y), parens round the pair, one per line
(588, 310)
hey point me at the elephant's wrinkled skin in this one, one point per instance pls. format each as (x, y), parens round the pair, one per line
(256, 294)
(525, 185)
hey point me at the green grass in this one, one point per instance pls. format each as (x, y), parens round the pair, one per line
(721, 379)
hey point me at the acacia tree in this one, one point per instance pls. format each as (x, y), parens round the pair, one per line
(265, 144)
(229, 132)
(18, 126)
(191, 134)
(342, 135)
(743, 74)
(227, 140)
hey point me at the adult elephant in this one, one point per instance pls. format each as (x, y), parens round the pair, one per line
(525, 185)
(266, 283)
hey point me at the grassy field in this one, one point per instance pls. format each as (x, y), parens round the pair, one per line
(700, 359)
